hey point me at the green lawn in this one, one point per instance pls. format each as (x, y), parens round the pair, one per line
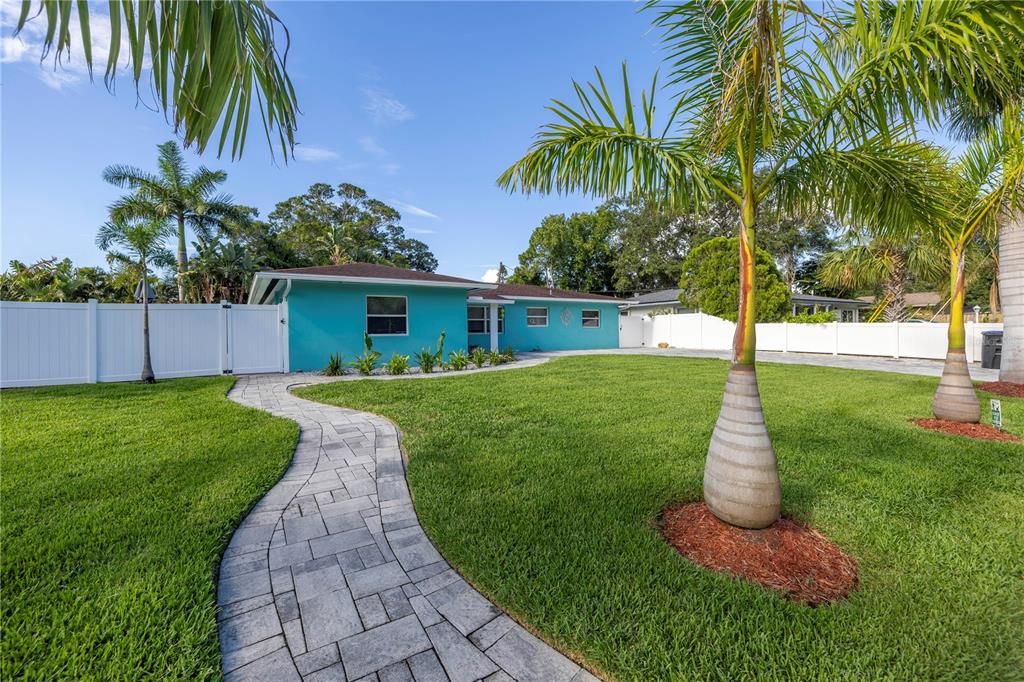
(543, 485)
(117, 501)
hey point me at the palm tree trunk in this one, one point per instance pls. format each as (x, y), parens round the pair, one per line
(741, 476)
(1011, 295)
(147, 364)
(896, 289)
(955, 399)
(182, 258)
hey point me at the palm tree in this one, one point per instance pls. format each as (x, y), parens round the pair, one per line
(210, 62)
(986, 185)
(871, 262)
(144, 242)
(188, 199)
(780, 99)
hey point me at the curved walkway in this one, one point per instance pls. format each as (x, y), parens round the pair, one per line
(331, 577)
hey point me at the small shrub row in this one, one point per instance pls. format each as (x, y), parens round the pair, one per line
(428, 360)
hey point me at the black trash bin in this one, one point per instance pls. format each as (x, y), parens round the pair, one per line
(991, 349)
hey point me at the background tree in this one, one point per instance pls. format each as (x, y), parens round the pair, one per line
(709, 282)
(189, 200)
(54, 280)
(329, 225)
(139, 242)
(573, 252)
(502, 273)
(778, 99)
(210, 62)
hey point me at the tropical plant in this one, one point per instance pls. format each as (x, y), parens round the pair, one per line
(495, 358)
(872, 262)
(478, 357)
(785, 101)
(219, 271)
(209, 62)
(458, 360)
(335, 367)
(710, 283)
(143, 240)
(367, 362)
(398, 364)
(190, 200)
(426, 359)
(820, 317)
(508, 354)
(57, 281)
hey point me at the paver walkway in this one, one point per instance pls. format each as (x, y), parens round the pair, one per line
(331, 577)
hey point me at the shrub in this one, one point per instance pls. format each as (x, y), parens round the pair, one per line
(427, 360)
(508, 355)
(366, 362)
(398, 364)
(458, 360)
(813, 318)
(478, 357)
(495, 358)
(334, 367)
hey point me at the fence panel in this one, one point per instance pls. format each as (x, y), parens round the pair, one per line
(255, 339)
(44, 343)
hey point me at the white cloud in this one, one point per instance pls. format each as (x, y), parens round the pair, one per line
(372, 147)
(413, 209)
(384, 107)
(314, 154)
(419, 230)
(491, 275)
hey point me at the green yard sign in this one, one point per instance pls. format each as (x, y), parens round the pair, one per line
(997, 414)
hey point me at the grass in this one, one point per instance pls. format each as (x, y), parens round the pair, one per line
(543, 486)
(117, 501)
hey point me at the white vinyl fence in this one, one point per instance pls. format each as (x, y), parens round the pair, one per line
(73, 343)
(698, 331)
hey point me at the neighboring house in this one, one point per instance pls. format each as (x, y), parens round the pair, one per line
(661, 302)
(846, 309)
(328, 309)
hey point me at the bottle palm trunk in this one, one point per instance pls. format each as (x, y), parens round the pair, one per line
(182, 259)
(955, 399)
(1011, 297)
(148, 377)
(741, 476)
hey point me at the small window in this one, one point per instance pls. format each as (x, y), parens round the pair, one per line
(591, 318)
(479, 318)
(387, 315)
(536, 317)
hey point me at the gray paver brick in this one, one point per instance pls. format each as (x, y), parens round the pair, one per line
(248, 628)
(275, 667)
(396, 603)
(317, 659)
(426, 668)
(376, 579)
(528, 659)
(372, 611)
(341, 542)
(304, 528)
(380, 647)
(329, 617)
(461, 660)
(332, 673)
(399, 672)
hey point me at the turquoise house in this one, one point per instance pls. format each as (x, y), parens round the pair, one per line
(327, 310)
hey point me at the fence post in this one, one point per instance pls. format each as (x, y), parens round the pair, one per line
(92, 332)
(785, 336)
(282, 316)
(969, 346)
(896, 340)
(835, 337)
(225, 342)
(700, 330)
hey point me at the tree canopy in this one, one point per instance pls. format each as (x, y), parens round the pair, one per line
(710, 282)
(573, 252)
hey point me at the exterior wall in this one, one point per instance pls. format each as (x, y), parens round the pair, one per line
(330, 317)
(558, 335)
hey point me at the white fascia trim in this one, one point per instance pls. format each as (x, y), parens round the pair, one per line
(374, 280)
(476, 300)
(562, 300)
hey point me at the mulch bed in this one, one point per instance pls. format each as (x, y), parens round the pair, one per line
(787, 557)
(979, 431)
(1010, 390)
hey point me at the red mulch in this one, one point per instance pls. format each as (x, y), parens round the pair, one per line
(1010, 390)
(979, 431)
(787, 557)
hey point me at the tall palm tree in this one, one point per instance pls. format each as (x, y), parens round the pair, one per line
(173, 193)
(887, 263)
(144, 241)
(207, 61)
(778, 98)
(985, 186)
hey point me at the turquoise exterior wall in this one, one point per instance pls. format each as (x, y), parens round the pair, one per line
(557, 335)
(330, 317)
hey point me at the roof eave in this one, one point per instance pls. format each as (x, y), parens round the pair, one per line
(373, 280)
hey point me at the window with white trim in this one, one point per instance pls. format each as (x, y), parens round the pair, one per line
(591, 318)
(536, 317)
(387, 315)
(479, 317)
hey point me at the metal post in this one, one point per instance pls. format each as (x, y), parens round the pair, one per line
(494, 326)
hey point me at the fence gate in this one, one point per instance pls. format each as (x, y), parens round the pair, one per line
(254, 339)
(632, 331)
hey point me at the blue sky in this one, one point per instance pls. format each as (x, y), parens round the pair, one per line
(422, 104)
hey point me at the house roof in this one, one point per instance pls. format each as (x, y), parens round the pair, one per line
(655, 297)
(264, 282)
(811, 298)
(920, 299)
(531, 292)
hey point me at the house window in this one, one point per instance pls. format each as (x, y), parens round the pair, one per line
(480, 320)
(591, 318)
(387, 315)
(536, 317)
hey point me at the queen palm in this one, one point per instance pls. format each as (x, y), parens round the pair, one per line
(173, 193)
(143, 240)
(776, 98)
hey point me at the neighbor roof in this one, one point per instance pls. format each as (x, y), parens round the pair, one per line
(811, 298)
(655, 297)
(920, 299)
(264, 282)
(531, 291)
